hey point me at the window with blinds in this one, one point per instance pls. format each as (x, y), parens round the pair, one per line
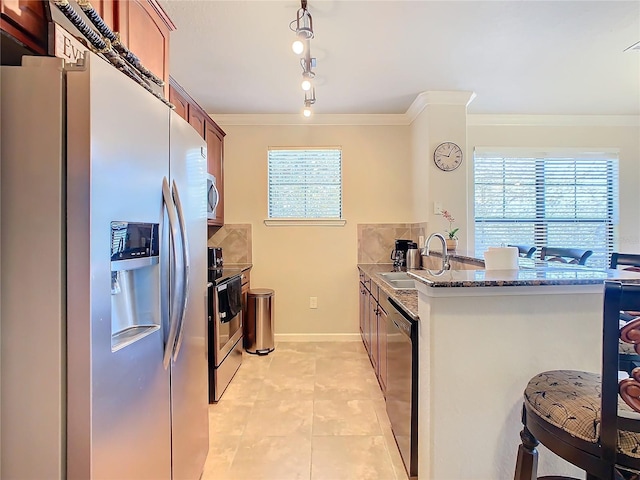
(305, 183)
(559, 199)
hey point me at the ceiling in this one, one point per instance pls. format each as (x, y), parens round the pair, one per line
(375, 57)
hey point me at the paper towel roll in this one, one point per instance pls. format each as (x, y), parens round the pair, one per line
(501, 258)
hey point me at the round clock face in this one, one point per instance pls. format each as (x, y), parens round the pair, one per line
(447, 156)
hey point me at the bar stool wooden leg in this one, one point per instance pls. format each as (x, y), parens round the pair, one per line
(527, 460)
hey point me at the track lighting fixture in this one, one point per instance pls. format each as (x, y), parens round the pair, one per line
(309, 99)
(303, 26)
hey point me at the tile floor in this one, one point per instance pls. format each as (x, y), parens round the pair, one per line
(311, 411)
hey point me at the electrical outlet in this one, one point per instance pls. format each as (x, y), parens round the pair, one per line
(313, 302)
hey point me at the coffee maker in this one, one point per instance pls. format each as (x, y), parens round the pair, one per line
(399, 253)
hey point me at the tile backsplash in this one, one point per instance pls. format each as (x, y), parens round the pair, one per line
(235, 240)
(376, 240)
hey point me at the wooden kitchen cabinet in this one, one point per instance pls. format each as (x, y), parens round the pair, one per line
(189, 109)
(364, 313)
(143, 25)
(179, 100)
(144, 28)
(246, 285)
(215, 164)
(26, 21)
(382, 348)
(373, 327)
(196, 119)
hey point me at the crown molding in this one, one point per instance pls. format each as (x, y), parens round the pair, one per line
(316, 119)
(431, 98)
(554, 120)
(450, 97)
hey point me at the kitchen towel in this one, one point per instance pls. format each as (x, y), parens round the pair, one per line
(230, 299)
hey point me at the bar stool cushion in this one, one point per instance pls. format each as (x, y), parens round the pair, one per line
(570, 400)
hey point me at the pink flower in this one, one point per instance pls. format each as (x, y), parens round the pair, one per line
(452, 232)
(448, 216)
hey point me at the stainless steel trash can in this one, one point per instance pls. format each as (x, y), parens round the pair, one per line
(258, 334)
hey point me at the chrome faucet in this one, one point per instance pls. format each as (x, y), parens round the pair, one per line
(445, 255)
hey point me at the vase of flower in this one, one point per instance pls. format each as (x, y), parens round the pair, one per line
(451, 239)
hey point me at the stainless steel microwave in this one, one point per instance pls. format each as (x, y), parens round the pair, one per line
(213, 197)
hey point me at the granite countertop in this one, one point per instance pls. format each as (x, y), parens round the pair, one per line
(407, 299)
(530, 273)
(228, 271)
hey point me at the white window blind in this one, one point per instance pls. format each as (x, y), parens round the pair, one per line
(305, 183)
(555, 199)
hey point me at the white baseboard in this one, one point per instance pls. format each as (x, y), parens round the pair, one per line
(318, 337)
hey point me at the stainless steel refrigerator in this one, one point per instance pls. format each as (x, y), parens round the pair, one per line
(102, 249)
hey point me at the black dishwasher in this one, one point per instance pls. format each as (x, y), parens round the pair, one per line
(402, 384)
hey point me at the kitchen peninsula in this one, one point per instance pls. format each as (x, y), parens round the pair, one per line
(483, 334)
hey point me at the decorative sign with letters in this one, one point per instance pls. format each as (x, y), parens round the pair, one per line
(67, 46)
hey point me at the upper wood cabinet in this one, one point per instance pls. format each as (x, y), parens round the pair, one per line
(180, 102)
(196, 119)
(189, 109)
(215, 163)
(26, 21)
(144, 28)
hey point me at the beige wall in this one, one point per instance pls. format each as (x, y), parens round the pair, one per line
(626, 138)
(388, 177)
(303, 261)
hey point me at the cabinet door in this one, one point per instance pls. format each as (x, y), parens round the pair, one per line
(181, 103)
(362, 309)
(245, 297)
(144, 29)
(108, 11)
(382, 349)
(196, 119)
(215, 164)
(366, 333)
(373, 332)
(26, 21)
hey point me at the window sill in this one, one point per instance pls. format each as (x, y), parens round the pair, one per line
(305, 222)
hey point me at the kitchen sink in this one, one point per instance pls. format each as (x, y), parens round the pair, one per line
(399, 280)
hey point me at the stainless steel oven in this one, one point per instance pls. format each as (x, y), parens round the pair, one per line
(225, 334)
(402, 383)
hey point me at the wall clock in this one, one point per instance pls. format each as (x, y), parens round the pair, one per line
(447, 156)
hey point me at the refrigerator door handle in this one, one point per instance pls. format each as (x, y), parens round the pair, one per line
(185, 259)
(177, 274)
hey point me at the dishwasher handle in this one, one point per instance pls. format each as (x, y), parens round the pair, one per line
(399, 318)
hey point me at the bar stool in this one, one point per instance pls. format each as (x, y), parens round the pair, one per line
(629, 356)
(565, 255)
(591, 420)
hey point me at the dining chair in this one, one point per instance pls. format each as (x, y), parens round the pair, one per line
(626, 261)
(565, 255)
(591, 420)
(629, 355)
(525, 251)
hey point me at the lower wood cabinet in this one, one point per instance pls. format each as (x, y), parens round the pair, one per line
(373, 327)
(246, 284)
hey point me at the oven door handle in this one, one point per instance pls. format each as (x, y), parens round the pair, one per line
(173, 274)
(185, 271)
